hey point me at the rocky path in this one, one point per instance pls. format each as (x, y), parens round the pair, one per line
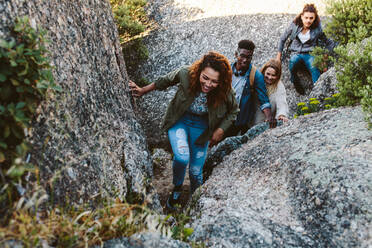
(304, 184)
(189, 28)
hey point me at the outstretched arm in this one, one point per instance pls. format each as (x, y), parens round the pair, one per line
(138, 91)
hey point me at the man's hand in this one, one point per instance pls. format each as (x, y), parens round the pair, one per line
(216, 137)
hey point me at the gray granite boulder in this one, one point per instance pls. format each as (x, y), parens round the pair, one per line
(86, 139)
(305, 184)
(325, 86)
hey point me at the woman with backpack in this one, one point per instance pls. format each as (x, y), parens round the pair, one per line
(305, 32)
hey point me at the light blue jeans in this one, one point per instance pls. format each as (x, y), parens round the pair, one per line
(308, 61)
(182, 137)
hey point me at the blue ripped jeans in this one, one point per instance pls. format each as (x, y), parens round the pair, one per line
(182, 137)
(308, 61)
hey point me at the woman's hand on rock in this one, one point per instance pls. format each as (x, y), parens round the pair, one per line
(135, 89)
(216, 137)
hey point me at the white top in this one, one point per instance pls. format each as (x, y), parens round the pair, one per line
(304, 37)
(279, 106)
(238, 83)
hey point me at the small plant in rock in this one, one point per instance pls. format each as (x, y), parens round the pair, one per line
(179, 222)
(315, 105)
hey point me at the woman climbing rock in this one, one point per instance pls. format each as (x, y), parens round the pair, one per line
(305, 32)
(202, 109)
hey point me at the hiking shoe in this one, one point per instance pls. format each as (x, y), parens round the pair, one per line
(298, 87)
(174, 200)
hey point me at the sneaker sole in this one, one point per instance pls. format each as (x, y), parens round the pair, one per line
(170, 206)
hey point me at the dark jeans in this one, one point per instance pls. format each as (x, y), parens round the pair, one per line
(308, 61)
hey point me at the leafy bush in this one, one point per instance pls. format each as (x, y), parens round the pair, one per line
(322, 58)
(351, 26)
(351, 20)
(131, 20)
(25, 77)
(354, 66)
(129, 16)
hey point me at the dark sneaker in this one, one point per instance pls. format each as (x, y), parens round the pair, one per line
(174, 200)
(299, 88)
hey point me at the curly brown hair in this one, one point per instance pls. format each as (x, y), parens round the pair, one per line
(219, 63)
(308, 8)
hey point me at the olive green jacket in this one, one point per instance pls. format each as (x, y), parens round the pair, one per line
(220, 117)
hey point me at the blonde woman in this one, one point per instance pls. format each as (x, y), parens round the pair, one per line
(272, 72)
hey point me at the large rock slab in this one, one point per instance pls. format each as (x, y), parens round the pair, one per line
(86, 140)
(305, 184)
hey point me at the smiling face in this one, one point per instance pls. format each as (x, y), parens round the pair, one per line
(270, 75)
(244, 58)
(209, 79)
(307, 19)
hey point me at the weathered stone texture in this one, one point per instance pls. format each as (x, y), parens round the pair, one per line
(86, 139)
(305, 184)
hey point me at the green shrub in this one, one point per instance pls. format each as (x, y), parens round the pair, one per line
(351, 26)
(25, 77)
(322, 58)
(354, 74)
(351, 20)
(130, 17)
(131, 20)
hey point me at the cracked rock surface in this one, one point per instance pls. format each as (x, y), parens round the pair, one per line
(305, 184)
(86, 139)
